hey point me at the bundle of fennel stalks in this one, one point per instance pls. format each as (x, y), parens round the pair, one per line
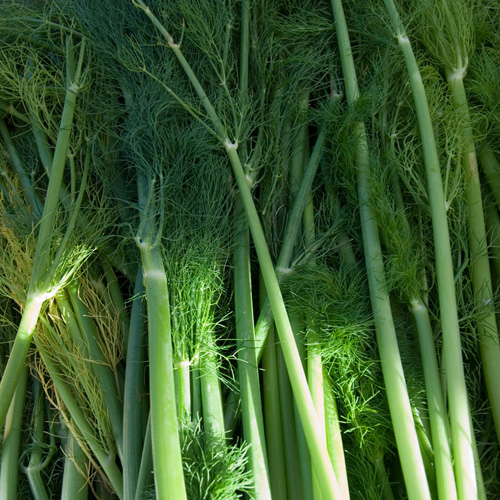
(249, 249)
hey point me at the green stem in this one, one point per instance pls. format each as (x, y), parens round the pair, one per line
(40, 281)
(134, 393)
(167, 458)
(298, 325)
(394, 379)
(26, 183)
(196, 398)
(493, 232)
(106, 460)
(481, 277)
(76, 463)
(290, 238)
(145, 477)
(200, 92)
(272, 420)
(317, 448)
(34, 467)
(265, 320)
(251, 402)
(100, 365)
(117, 301)
(458, 404)
(438, 416)
(334, 437)
(491, 169)
(290, 449)
(183, 385)
(11, 440)
(19, 352)
(319, 453)
(213, 414)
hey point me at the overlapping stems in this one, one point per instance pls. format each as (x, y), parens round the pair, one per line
(45, 243)
(317, 448)
(458, 404)
(452, 45)
(146, 114)
(46, 263)
(394, 378)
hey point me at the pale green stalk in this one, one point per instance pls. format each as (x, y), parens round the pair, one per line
(145, 476)
(196, 397)
(76, 464)
(394, 379)
(305, 405)
(334, 436)
(117, 301)
(491, 169)
(297, 320)
(289, 240)
(298, 324)
(183, 387)
(481, 277)
(105, 460)
(9, 470)
(288, 426)
(321, 389)
(213, 414)
(167, 460)
(319, 454)
(440, 430)
(35, 466)
(40, 284)
(100, 365)
(437, 458)
(165, 437)
(134, 396)
(282, 268)
(248, 372)
(493, 225)
(315, 374)
(381, 470)
(272, 419)
(439, 453)
(458, 404)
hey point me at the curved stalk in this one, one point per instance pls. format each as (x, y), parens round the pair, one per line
(100, 365)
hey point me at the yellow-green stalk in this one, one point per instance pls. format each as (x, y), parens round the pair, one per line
(44, 268)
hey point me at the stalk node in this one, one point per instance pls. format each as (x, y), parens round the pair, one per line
(457, 73)
(402, 38)
(228, 144)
